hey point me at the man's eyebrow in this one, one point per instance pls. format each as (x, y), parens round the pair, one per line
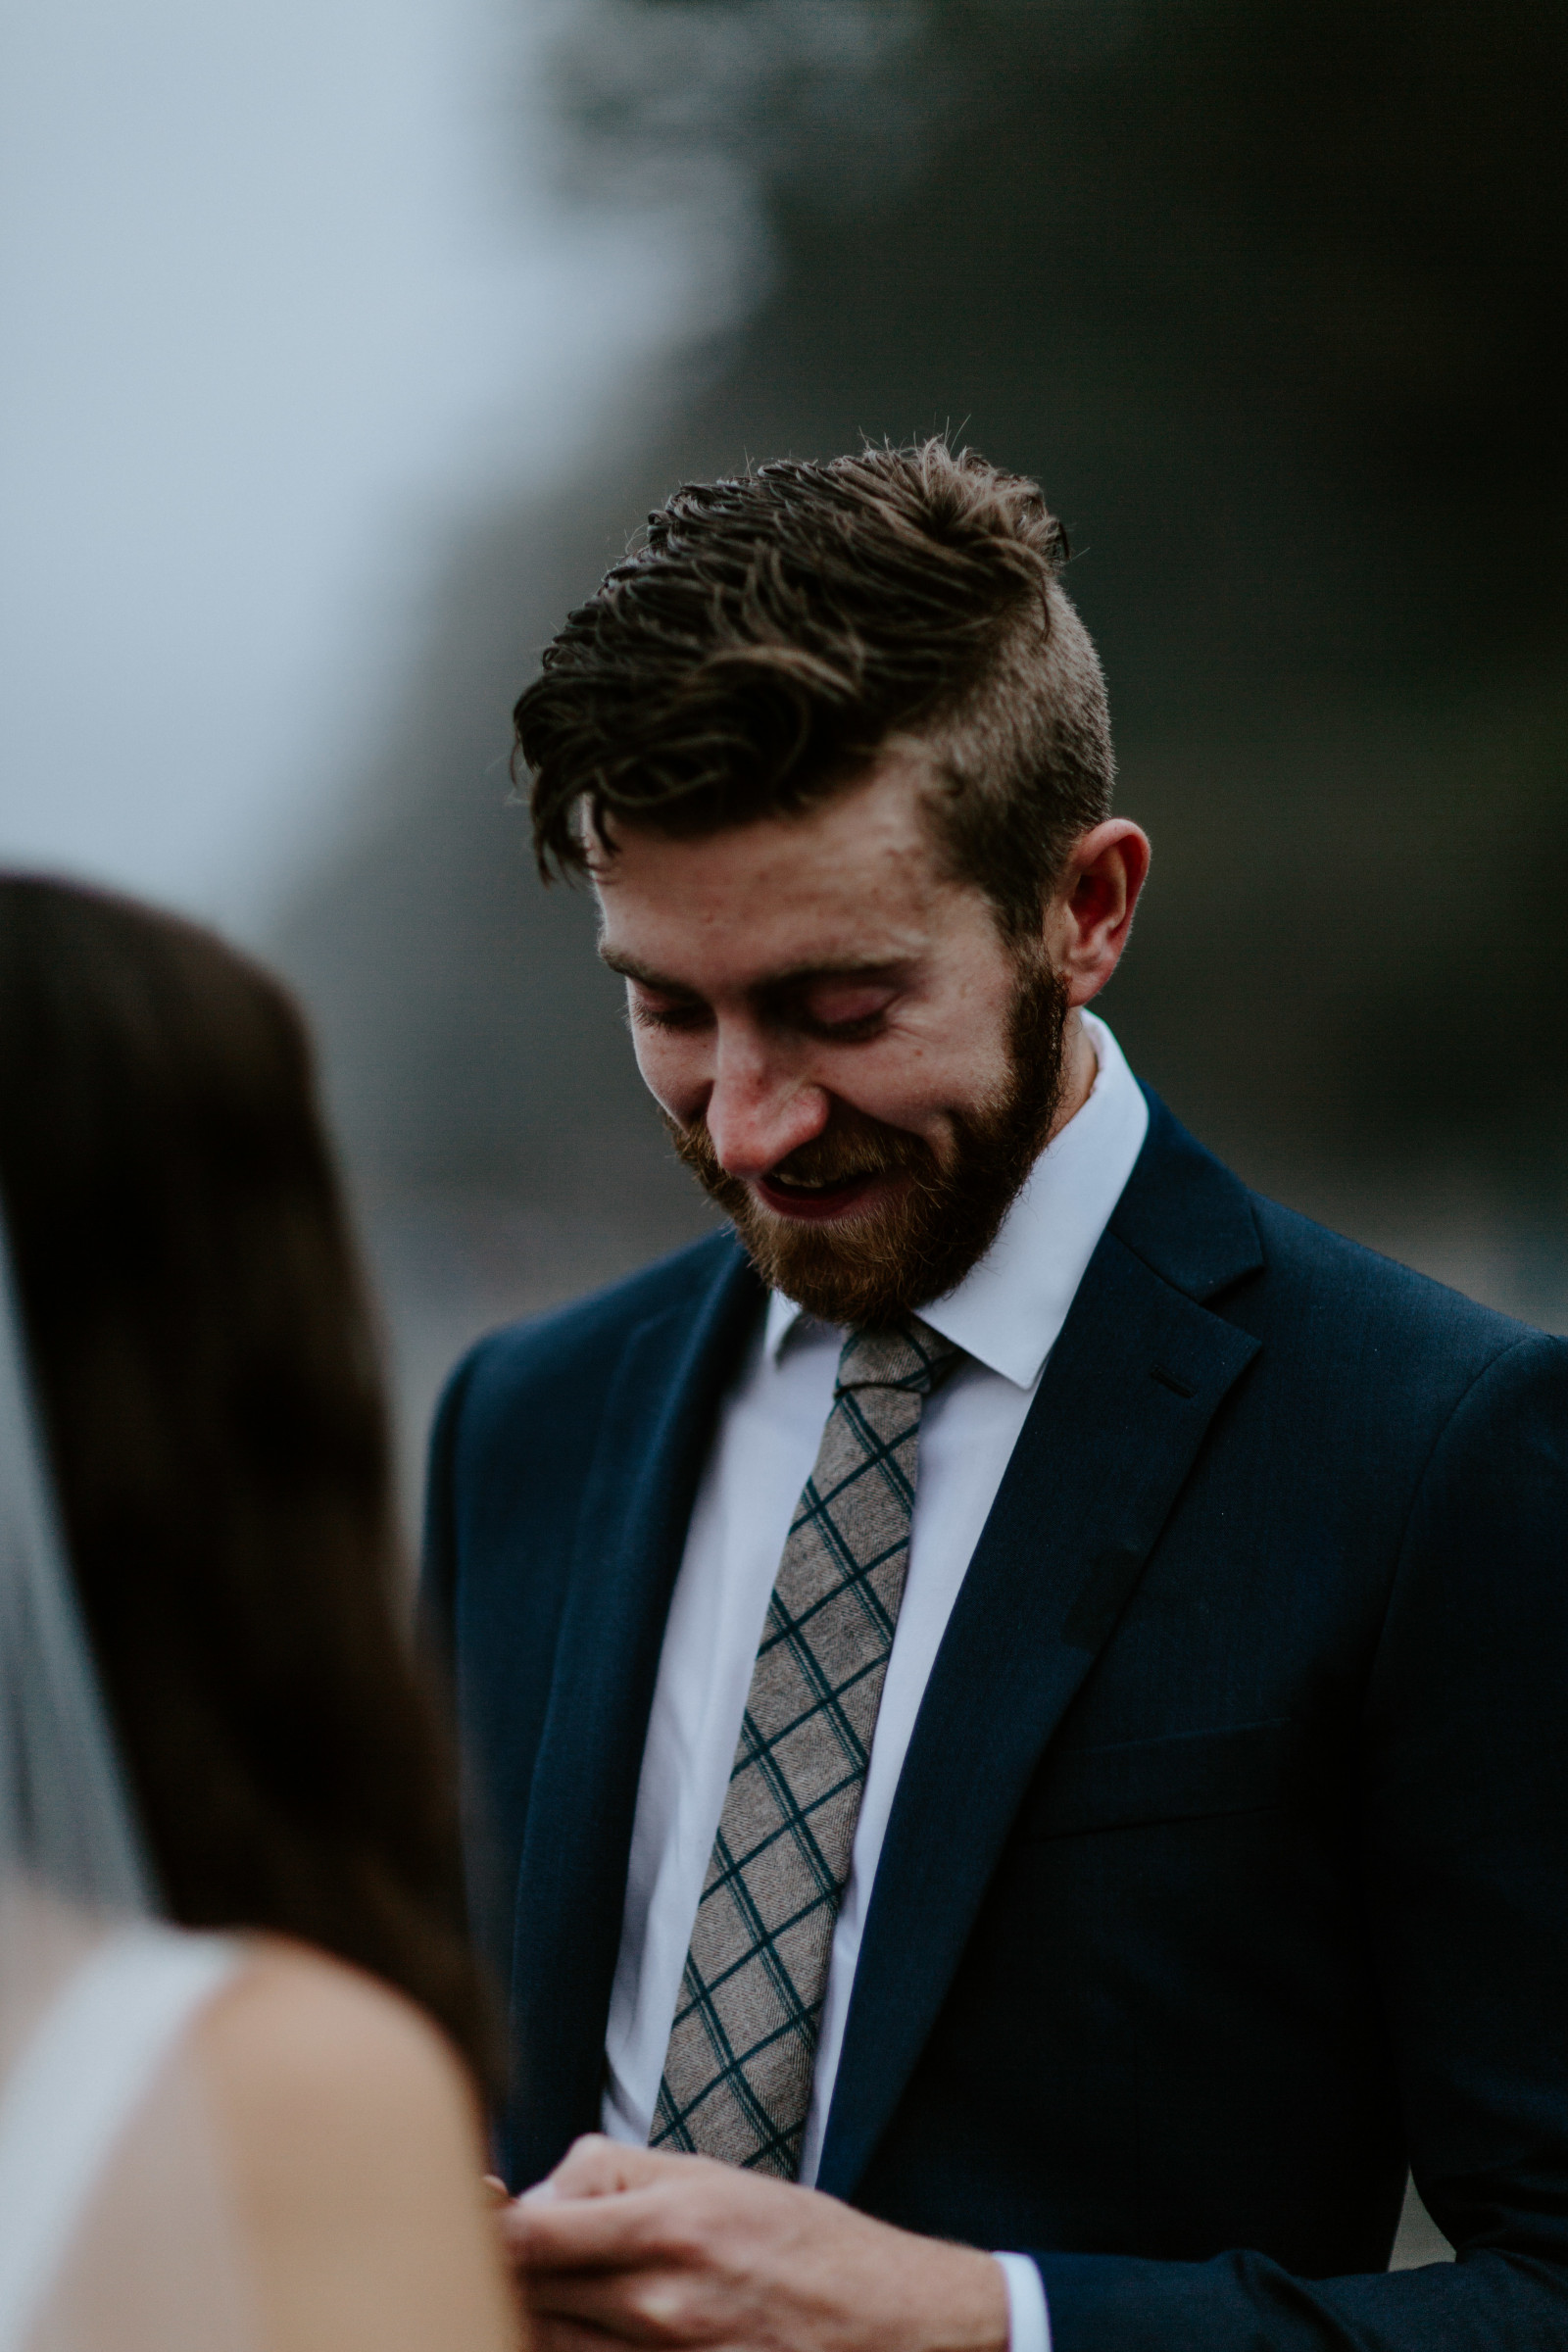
(846, 968)
(644, 974)
(837, 967)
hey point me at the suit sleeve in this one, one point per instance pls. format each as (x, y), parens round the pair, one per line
(1464, 1817)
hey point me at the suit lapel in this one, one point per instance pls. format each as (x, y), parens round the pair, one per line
(657, 1422)
(1131, 1385)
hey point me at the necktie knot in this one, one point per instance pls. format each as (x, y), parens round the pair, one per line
(908, 1356)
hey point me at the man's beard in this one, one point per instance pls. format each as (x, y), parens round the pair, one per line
(868, 1271)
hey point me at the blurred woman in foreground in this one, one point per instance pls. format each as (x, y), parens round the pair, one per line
(263, 2134)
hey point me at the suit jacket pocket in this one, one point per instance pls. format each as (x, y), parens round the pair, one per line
(1235, 1769)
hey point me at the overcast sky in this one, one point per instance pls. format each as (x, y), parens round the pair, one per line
(286, 293)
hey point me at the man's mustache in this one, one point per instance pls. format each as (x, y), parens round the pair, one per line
(849, 1149)
(837, 1157)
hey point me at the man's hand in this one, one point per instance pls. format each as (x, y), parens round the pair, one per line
(674, 2251)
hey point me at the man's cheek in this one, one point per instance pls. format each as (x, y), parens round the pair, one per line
(673, 1076)
(907, 1097)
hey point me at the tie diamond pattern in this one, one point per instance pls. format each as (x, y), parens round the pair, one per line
(738, 2071)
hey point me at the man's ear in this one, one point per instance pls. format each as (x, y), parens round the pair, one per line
(1091, 911)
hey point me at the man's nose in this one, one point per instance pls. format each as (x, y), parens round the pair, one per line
(758, 1115)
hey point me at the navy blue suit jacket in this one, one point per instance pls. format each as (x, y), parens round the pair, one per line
(1227, 1868)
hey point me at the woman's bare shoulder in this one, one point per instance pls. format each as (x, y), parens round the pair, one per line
(295, 2024)
(356, 2152)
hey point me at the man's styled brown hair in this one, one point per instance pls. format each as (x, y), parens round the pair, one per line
(773, 633)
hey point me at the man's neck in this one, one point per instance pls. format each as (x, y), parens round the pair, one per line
(1079, 1067)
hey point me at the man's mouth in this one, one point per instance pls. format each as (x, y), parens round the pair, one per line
(815, 1202)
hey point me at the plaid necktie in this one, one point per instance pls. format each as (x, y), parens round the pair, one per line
(742, 2052)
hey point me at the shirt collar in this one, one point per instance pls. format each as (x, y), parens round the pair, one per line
(1010, 1308)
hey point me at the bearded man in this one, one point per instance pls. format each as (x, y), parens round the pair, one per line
(1018, 1690)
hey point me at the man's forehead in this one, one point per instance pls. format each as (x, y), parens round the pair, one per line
(855, 885)
(879, 816)
(677, 948)
(869, 847)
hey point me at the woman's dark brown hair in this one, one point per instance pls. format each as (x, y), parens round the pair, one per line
(209, 1384)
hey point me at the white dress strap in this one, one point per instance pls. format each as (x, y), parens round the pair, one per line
(90, 2062)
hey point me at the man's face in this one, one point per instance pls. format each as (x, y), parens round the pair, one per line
(848, 1055)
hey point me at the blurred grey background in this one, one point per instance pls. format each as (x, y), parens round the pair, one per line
(346, 345)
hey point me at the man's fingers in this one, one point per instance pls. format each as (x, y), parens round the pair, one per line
(596, 2231)
(651, 2306)
(597, 2167)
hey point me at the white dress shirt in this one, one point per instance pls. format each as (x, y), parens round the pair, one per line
(1006, 1315)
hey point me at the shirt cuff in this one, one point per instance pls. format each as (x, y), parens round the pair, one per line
(1028, 2320)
